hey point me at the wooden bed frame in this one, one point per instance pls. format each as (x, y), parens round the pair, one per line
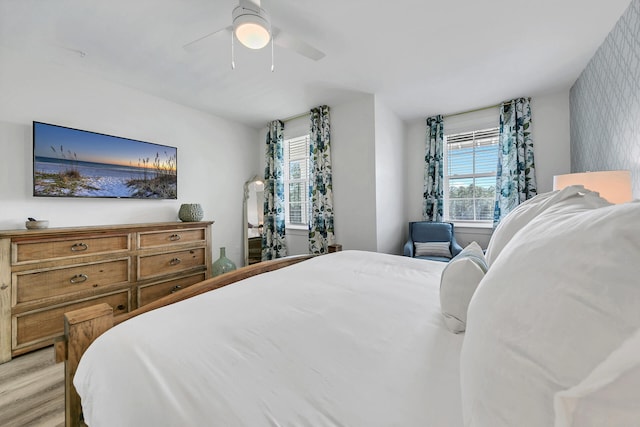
(83, 326)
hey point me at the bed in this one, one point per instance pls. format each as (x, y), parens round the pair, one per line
(349, 338)
(537, 332)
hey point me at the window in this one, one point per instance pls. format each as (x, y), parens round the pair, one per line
(296, 181)
(471, 160)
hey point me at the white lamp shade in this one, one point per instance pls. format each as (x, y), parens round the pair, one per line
(251, 25)
(252, 35)
(614, 186)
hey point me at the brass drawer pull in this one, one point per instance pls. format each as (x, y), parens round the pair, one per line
(174, 237)
(79, 247)
(176, 288)
(175, 261)
(79, 278)
(121, 307)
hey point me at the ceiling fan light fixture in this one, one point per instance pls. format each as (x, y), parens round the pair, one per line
(251, 27)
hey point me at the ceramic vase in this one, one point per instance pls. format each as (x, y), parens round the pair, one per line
(190, 212)
(223, 264)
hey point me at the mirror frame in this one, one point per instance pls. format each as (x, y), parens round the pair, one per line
(245, 219)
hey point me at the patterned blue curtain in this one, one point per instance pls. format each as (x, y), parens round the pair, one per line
(320, 183)
(433, 172)
(516, 178)
(273, 232)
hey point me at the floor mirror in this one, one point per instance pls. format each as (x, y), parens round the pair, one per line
(253, 220)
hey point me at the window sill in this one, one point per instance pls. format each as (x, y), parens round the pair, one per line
(483, 225)
(297, 227)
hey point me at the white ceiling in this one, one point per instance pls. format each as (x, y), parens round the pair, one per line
(420, 57)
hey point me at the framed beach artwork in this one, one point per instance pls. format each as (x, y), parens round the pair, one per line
(71, 162)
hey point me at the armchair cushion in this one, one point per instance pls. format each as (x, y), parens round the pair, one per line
(436, 249)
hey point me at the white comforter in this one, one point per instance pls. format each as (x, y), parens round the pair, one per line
(346, 339)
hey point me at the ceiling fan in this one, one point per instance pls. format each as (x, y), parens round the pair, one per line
(251, 26)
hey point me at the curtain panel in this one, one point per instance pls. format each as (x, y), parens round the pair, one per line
(321, 233)
(433, 195)
(273, 232)
(515, 177)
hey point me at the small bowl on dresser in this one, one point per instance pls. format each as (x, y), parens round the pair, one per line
(37, 225)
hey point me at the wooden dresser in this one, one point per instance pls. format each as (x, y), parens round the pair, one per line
(45, 273)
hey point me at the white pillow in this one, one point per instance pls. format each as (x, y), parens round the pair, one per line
(563, 294)
(528, 210)
(609, 396)
(458, 282)
(440, 249)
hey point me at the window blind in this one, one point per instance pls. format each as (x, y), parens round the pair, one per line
(472, 159)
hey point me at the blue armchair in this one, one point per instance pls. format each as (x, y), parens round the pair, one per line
(428, 231)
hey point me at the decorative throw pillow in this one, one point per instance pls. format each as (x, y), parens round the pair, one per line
(458, 282)
(608, 396)
(575, 195)
(557, 301)
(440, 249)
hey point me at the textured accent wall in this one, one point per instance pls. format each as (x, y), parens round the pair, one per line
(605, 104)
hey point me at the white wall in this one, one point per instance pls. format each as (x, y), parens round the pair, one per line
(551, 133)
(297, 241)
(354, 174)
(389, 177)
(215, 156)
(550, 128)
(415, 146)
(368, 175)
(353, 146)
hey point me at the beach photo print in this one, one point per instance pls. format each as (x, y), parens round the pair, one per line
(75, 163)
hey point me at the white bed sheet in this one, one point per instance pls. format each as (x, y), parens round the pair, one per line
(346, 339)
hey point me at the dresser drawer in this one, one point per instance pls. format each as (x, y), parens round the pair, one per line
(171, 262)
(148, 293)
(35, 285)
(43, 250)
(171, 237)
(49, 323)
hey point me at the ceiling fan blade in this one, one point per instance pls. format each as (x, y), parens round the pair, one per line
(288, 41)
(200, 43)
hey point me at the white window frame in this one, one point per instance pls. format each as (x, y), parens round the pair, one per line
(288, 180)
(468, 223)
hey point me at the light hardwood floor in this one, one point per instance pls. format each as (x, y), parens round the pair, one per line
(32, 390)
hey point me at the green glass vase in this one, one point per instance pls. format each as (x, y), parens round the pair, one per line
(223, 264)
